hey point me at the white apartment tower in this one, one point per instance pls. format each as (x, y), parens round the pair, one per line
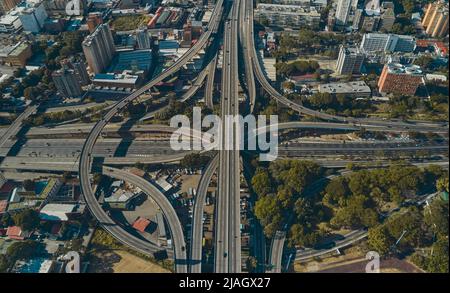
(342, 12)
(99, 48)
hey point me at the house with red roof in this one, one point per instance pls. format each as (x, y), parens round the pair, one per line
(16, 233)
(3, 206)
(141, 224)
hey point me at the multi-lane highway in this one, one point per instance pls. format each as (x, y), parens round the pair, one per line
(197, 218)
(246, 37)
(227, 223)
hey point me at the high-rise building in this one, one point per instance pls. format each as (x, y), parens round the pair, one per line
(99, 48)
(342, 12)
(143, 39)
(400, 79)
(358, 19)
(436, 19)
(32, 15)
(67, 83)
(94, 19)
(374, 42)
(349, 61)
(7, 5)
(79, 69)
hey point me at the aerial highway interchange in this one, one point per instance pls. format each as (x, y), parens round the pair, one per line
(73, 147)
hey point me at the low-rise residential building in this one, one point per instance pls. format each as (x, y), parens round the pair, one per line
(121, 199)
(400, 79)
(10, 23)
(60, 212)
(287, 16)
(16, 233)
(124, 80)
(16, 55)
(357, 89)
(51, 189)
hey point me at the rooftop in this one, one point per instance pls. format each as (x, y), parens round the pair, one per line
(397, 68)
(345, 87)
(141, 224)
(120, 196)
(115, 78)
(139, 59)
(56, 212)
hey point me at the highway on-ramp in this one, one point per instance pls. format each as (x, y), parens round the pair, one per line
(175, 227)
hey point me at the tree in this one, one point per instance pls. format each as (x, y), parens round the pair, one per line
(252, 264)
(442, 184)
(6, 220)
(379, 240)
(22, 250)
(261, 182)
(438, 262)
(300, 236)
(337, 190)
(269, 213)
(28, 185)
(3, 263)
(410, 221)
(195, 161)
(436, 217)
(288, 85)
(27, 219)
(30, 93)
(358, 212)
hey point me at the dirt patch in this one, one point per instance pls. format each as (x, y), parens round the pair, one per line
(189, 181)
(120, 261)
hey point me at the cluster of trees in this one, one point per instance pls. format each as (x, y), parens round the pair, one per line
(310, 42)
(402, 106)
(273, 108)
(17, 251)
(55, 117)
(281, 200)
(194, 160)
(297, 67)
(27, 219)
(33, 85)
(130, 22)
(357, 199)
(339, 104)
(175, 107)
(403, 25)
(426, 229)
(71, 43)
